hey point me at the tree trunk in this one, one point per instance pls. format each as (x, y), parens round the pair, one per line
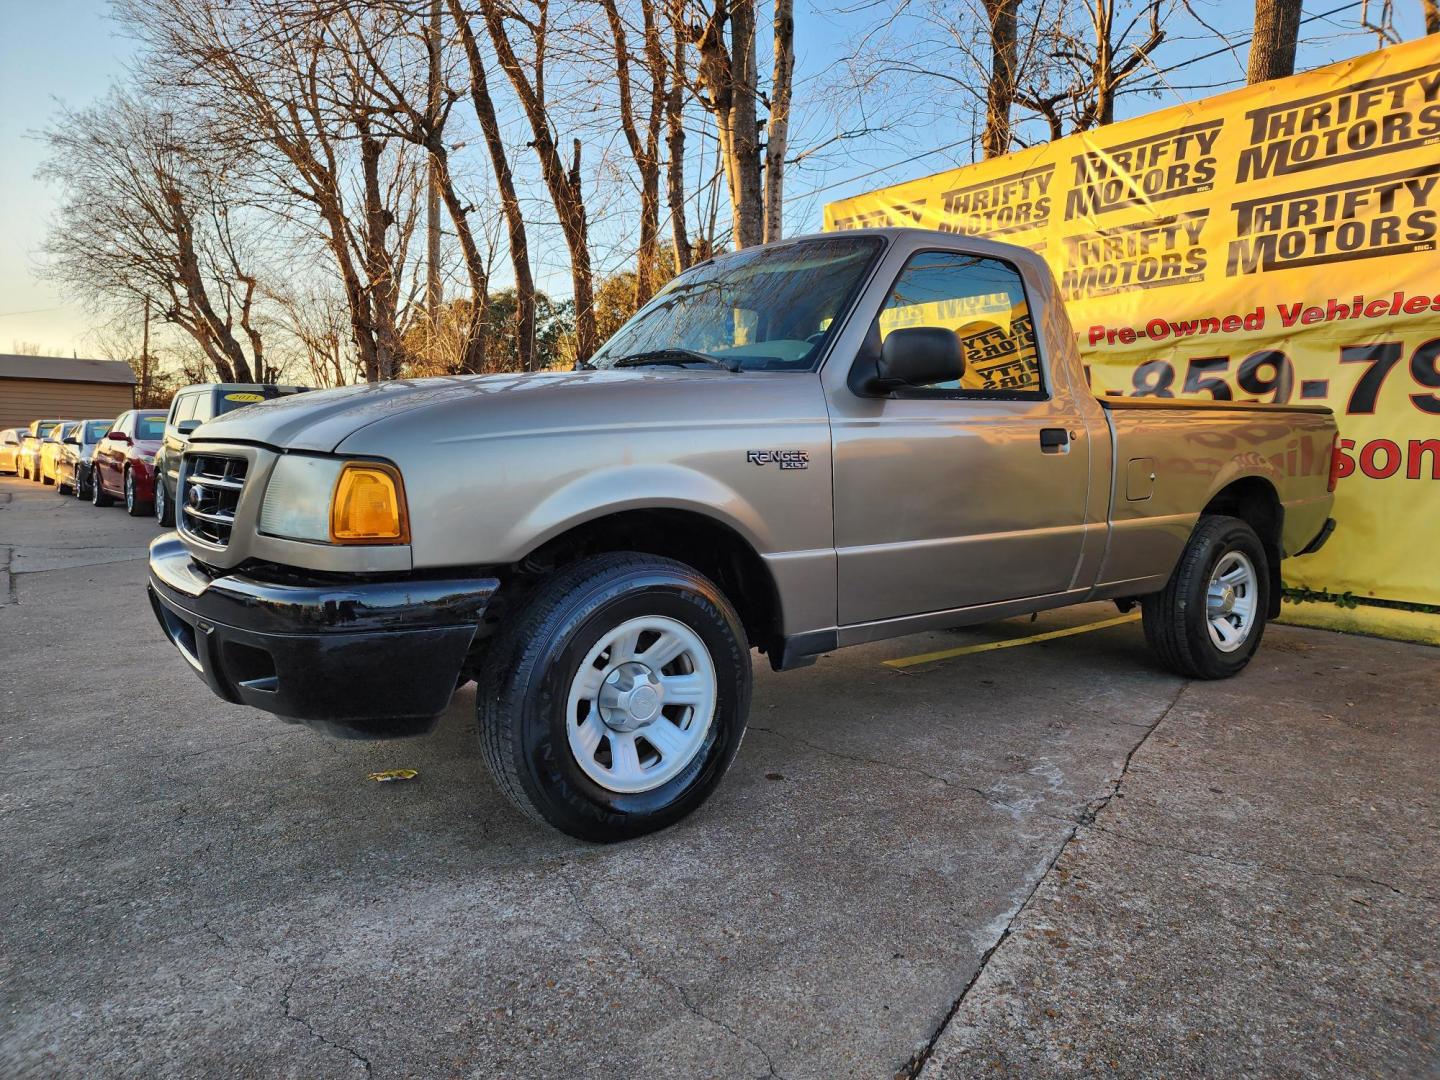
(432, 193)
(505, 182)
(675, 147)
(644, 151)
(745, 128)
(1277, 32)
(777, 145)
(564, 186)
(727, 73)
(1000, 93)
(384, 288)
(1432, 16)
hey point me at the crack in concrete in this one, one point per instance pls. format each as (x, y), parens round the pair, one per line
(675, 987)
(1274, 868)
(303, 1022)
(916, 1064)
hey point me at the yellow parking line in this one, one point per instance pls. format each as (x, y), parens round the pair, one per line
(966, 650)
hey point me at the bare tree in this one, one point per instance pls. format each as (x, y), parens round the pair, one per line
(1277, 33)
(519, 246)
(644, 145)
(147, 217)
(394, 56)
(1004, 66)
(1094, 58)
(777, 143)
(563, 183)
(724, 36)
(675, 137)
(279, 78)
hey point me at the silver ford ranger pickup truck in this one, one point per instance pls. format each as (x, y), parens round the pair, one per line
(792, 448)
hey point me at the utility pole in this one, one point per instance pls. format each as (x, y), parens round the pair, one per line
(145, 359)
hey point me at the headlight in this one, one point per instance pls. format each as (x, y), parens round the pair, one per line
(340, 502)
(297, 499)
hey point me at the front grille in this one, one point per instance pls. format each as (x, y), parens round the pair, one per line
(209, 493)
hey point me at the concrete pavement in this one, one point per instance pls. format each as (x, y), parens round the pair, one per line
(1046, 860)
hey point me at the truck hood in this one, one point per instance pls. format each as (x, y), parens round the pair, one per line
(458, 407)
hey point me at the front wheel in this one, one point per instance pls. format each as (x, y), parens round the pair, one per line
(614, 700)
(1208, 620)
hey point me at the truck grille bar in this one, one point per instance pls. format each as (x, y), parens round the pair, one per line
(210, 488)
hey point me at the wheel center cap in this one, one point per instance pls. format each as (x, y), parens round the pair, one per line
(630, 698)
(1222, 600)
(644, 703)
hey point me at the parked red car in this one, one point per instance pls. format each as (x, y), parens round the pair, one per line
(124, 462)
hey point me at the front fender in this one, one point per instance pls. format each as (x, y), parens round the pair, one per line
(620, 488)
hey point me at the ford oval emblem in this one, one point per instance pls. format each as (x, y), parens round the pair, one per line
(195, 495)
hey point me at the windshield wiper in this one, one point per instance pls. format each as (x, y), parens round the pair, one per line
(675, 357)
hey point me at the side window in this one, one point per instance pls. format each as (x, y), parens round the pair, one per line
(122, 425)
(983, 301)
(175, 409)
(204, 406)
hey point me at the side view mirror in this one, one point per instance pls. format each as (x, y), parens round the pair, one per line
(185, 427)
(72, 441)
(915, 356)
(118, 436)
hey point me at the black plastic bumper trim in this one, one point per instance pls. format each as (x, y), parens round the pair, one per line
(369, 659)
(1320, 538)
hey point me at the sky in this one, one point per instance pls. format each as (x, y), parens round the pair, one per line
(69, 52)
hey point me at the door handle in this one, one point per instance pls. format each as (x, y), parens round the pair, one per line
(1054, 440)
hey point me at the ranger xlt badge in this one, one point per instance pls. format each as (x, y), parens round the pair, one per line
(788, 459)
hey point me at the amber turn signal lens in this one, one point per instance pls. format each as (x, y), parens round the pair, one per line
(369, 506)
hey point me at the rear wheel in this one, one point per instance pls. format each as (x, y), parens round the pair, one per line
(1208, 620)
(97, 490)
(134, 506)
(613, 702)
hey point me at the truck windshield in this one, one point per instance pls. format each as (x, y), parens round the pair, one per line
(762, 309)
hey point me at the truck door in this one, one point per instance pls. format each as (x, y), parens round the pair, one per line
(968, 491)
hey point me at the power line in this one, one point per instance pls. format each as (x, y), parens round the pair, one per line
(959, 142)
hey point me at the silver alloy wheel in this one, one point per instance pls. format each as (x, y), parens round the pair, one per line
(130, 492)
(160, 499)
(1231, 600)
(641, 704)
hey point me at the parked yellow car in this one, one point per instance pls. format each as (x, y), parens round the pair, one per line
(52, 446)
(10, 450)
(30, 438)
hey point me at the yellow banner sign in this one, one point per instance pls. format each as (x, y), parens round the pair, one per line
(1275, 243)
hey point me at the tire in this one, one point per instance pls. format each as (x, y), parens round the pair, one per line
(97, 490)
(533, 729)
(164, 512)
(133, 505)
(82, 490)
(1185, 629)
(60, 486)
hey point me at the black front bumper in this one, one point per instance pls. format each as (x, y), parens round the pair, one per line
(366, 659)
